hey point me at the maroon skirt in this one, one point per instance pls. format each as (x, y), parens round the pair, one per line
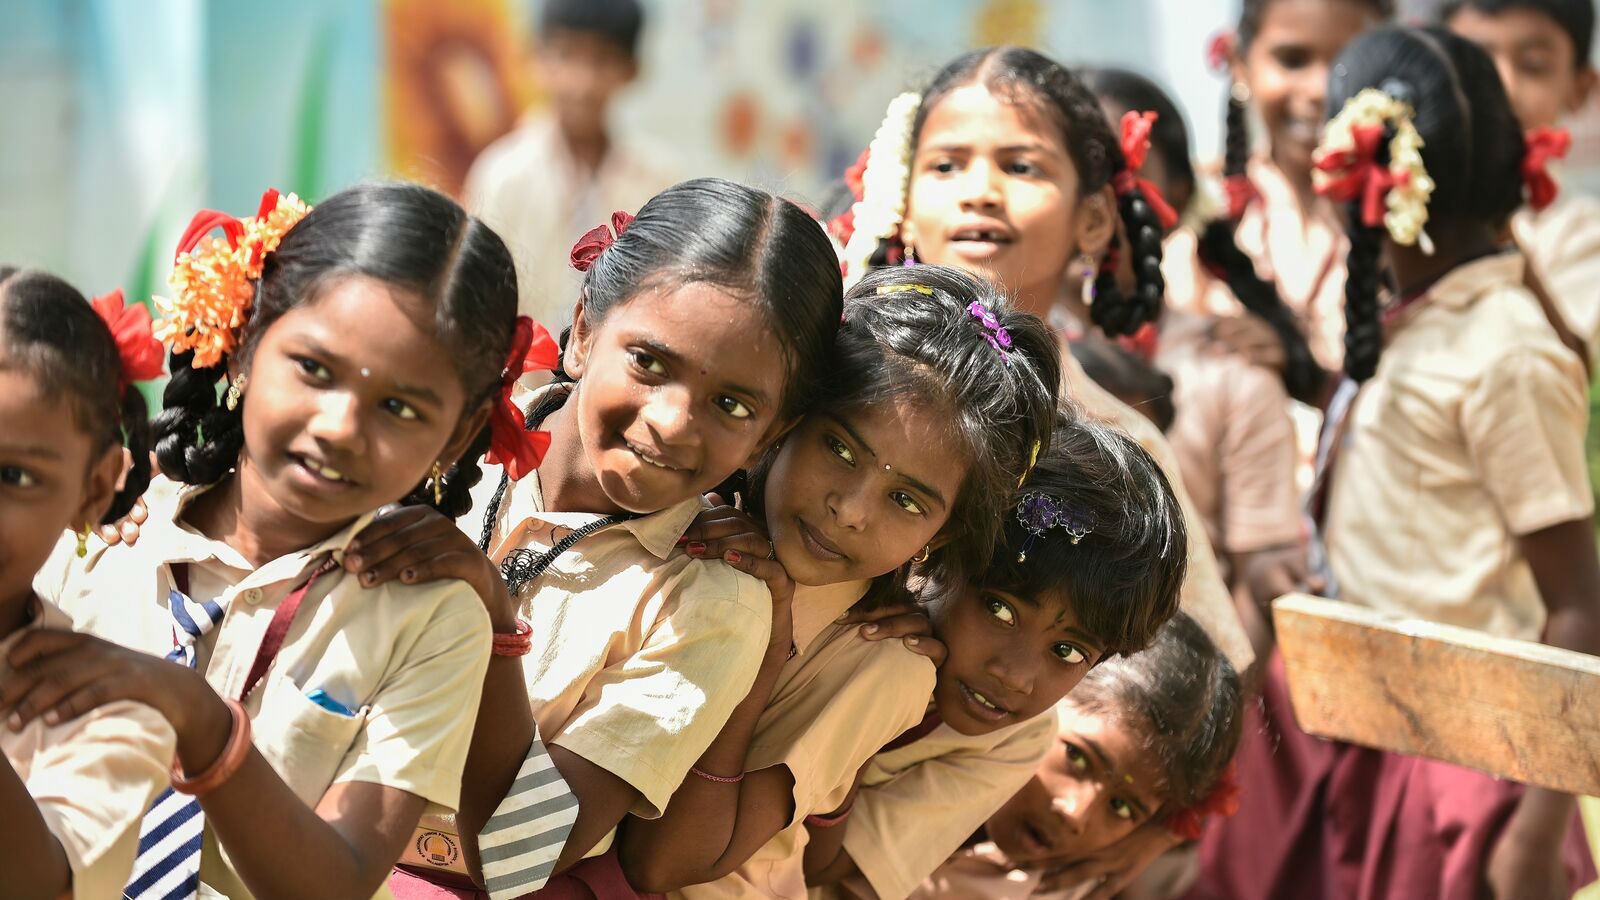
(1325, 820)
(596, 878)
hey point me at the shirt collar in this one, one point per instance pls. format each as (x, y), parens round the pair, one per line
(816, 608)
(188, 545)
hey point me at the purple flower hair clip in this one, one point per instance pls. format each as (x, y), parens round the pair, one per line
(993, 332)
(1038, 513)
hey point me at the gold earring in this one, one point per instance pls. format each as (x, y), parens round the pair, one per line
(83, 540)
(438, 484)
(923, 556)
(236, 392)
(1240, 92)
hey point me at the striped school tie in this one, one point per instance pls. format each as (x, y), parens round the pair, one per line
(168, 864)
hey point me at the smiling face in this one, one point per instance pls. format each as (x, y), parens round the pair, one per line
(53, 477)
(1093, 789)
(678, 389)
(351, 399)
(1286, 68)
(1010, 658)
(993, 191)
(856, 494)
(1536, 61)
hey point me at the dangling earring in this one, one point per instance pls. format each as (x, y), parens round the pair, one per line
(923, 556)
(1088, 267)
(236, 392)
(438, 484)
(1240, 92)
(83, 541)
(911, 254)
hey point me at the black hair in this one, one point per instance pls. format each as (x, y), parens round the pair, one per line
(1026, 77)
(1123, 576)
(618, 21)
(1182, 696)
(404, 235)
(1472, 148)
(1169, 137)
(909, 332)
(50, 331)
(1575, 17)
(1135, 382)
(742, 240)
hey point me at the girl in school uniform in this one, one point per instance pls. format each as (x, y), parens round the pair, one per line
(704, 326)
(1145, 738)
(1087, 568)
(1005, 166)
(71, 792)
(938, 397)
(1454, 491)
(361, 345)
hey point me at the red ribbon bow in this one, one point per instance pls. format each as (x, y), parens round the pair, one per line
(1544, 144)
(1241, 193)
(1359, 176)
(843, 226)
(1136, 128)
(511, 446)
(595, 241)
(1222, 801)
(139, 354)
(1142, 343)
(1219, 52)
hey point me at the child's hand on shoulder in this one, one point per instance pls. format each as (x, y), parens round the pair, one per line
(732, 535)
(1114, 867)
(907, 620)
(416, 545)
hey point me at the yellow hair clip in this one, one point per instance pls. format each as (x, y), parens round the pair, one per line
(1033, 458)
(897, 288)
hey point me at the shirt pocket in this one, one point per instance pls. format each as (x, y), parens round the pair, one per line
(303, 741)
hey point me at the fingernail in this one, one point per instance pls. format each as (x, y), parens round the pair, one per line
(843, 616)
(408, 575)
(869, 629)
(52, 718)
(912, 640)
(695, 548)
(353, 559)
(14, 721)
(733, 556)
(368, 577)
(683, 540)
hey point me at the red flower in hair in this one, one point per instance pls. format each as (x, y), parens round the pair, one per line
(595, 241)
(1136, 127)
(511, 445)
(139, 354)
(1544, 144)
(853, 175)
(1359, 176)
(1219, 52)
(1222, 801)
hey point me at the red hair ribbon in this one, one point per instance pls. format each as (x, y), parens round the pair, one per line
(1544, 144)
(1241, 193)
(511, 446)
(1357, 175)
(595, 241)
(1219, 52)
(139, 354)
(1222, 801)
(843, 226)
(1136, 128)
(1142, 343)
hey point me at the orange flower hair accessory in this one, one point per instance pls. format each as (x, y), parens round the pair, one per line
(138, 352)
(511, 445)
(213, 278)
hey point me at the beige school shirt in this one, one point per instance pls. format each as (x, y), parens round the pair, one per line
(92, 778)
(1563, 242)
(1204, 595)
(1469, 436)
(408, 659)
(527, 187)
(837, 702)
(982, 872)
(919, 802)
(640, 652)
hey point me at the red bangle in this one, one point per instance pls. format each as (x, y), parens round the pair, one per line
(829, 821)
(719, 779)
(227, 762)
(517, 643)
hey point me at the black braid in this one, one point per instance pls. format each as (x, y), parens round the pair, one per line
(135, 437)
(197, 438)
(1236, 140)
(1116, 313)
(1363, 335)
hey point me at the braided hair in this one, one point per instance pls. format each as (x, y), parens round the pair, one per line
(1472, 148)
(51, 331)
(405, 235)
(1026, 77)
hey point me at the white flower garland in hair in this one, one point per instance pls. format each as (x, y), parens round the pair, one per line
(1407, 200)
(883, 186)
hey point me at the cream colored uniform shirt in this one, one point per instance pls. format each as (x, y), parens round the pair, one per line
(837, 702)
(408, 659)
(528, 189)
(640, 652)
(1205, 597)
(1564, 243)
(93, 777)
(982, 873)
(919, 802)
(1469, 435)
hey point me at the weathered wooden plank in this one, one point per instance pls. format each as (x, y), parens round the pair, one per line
(1514, 709)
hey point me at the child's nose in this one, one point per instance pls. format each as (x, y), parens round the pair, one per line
(1072, 806)
(980, 184)
(1012, 669)
(849, 509)
(337, 420)
(668, 415)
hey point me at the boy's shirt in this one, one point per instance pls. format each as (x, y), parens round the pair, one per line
(1563, 243)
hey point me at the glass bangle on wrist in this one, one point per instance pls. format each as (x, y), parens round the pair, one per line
(227, 762)
(516, 643)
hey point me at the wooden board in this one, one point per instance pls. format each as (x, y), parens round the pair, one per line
(1515, 709)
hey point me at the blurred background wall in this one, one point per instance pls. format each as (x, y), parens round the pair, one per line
(119, 118)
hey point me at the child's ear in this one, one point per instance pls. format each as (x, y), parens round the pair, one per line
(1582, 87)
(577, 349)
(468, 428)
(1097, 222)
(776, 432)
(104, 476)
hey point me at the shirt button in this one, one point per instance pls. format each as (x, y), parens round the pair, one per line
(252, 596)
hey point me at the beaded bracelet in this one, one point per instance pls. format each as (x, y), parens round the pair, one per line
(719, 779)
(517, 643)
(227, 762)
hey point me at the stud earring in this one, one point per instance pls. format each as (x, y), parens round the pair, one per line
(438, 484)
(1240, 92)
(923, 556)
(236, 392)
(83, 541)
